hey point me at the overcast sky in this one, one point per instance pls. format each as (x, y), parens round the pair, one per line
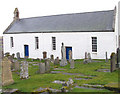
(33, 8)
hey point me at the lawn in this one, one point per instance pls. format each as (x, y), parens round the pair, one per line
(36, 81)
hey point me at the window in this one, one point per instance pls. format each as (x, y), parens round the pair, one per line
(11, 42)
(94, 44)
(53, 43)
(36, 43)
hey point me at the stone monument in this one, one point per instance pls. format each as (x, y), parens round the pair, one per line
(63, 57)
(118, 58)
(106, 58)
(70, 55)
(56, 62)
(6, 72)
(47, 66)
(24, 70)
(89, 58)
(112, 62)
(72, 64)
(44, 55)
(17, 65)
(86, 58)
(18, 55)
(52, 58)
(41, 68)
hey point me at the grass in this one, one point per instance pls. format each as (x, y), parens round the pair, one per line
(36, 81)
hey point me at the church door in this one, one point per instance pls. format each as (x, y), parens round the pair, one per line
(67, 52)
(26, 49)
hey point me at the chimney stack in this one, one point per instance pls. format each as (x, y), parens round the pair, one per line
(16, 14)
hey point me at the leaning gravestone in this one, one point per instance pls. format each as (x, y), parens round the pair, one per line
(18, 55)
(24, 70)
(41, 68)
(6, 72)
(56, 62)
(106, 58)
(47, 66)
(52, 58)
(112, 61)
(118, 57)
(63, 57)
(72, 64)
(70, 55)
(89, 58)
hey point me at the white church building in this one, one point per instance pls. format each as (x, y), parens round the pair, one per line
(92, 32)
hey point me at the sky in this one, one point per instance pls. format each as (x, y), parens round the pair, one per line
(33, 8)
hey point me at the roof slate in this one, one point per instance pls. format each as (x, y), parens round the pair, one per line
(89, 21)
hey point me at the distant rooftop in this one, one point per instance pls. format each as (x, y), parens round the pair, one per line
(76, 22)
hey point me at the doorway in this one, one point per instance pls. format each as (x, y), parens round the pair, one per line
(26, 50)
(67, 52)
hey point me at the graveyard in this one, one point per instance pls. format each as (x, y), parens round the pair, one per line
(95, 76)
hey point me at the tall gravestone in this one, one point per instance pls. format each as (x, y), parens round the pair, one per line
(56, 62)
(118, 57)
(63, 57)
(89, 58)
(70, 55)
(112, 61)
(47, 66)
(18, 55)
(41, 68)
(24, 70)
(44, 55)
(6, 72)
(86, 58)
(52, 58)
(106, 58)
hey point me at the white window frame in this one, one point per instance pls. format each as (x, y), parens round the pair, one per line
(94, 44)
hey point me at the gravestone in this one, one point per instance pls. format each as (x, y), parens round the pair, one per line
(70, 55)
(86, 58)
(56, 62)
(24, 70)
(112, 61)
(118, 57)
(52, 58)
(44, 55)
(63, 57)
(89, 58)
(41, 68)
(13, 55)
(72, 64)
(47, 66)
(106, 58)
(16, 65)
(18, 55)
(7, 54)
(6, 72)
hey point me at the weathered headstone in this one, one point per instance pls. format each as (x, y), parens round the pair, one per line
(44, 55)
(89, 58)
(118, 57)
(72, 64)
(7, 54)
(13, 55)
(18, 55)
(106, 58)
(52, 58)
(86, 58)
(6, 72)
(63, 57)
(70, 55)
(41, 68)
(24, 70)
(56, 62)
(112, 61)
(47, 66)
(17, 65)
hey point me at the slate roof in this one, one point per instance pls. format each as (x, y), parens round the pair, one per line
(77, 22)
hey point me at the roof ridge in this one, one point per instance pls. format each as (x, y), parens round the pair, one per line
(66, 14)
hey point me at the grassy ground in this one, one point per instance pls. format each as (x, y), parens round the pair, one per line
(36, 81)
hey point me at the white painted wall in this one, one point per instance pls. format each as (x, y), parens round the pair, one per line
(81, 42)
